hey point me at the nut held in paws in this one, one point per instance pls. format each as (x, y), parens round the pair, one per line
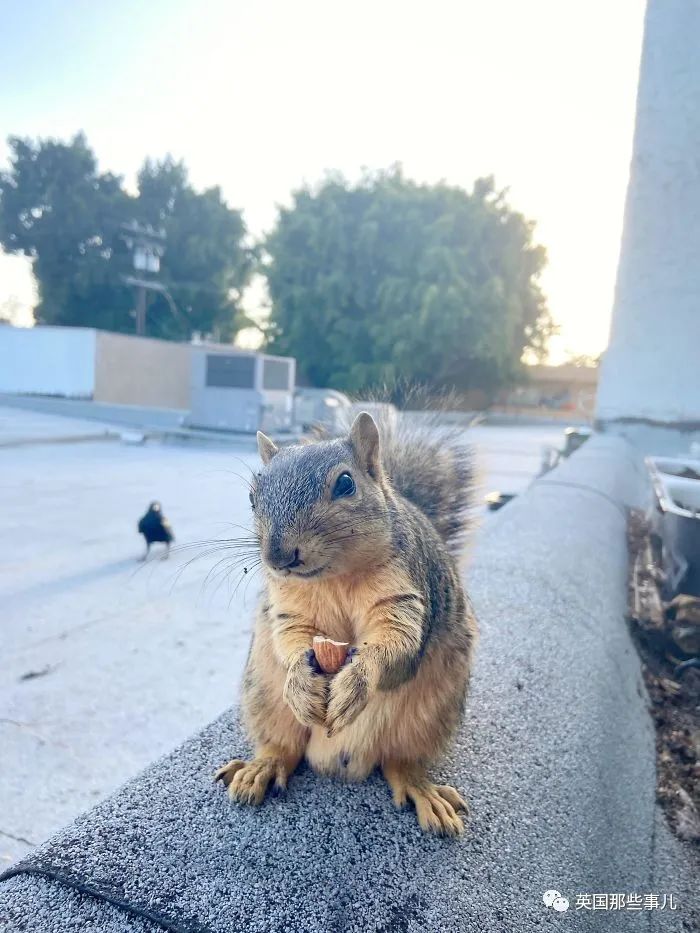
(330, 654)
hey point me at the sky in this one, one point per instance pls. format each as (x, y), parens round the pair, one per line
(262, 97)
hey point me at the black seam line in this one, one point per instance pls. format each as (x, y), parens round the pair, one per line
(84, 888)
(622, 509)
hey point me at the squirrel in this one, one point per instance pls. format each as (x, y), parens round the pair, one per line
(358, 538)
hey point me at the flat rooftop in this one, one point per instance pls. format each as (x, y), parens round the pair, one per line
(109, 663)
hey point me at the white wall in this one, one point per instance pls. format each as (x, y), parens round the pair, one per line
(47, 361)
(651, 370)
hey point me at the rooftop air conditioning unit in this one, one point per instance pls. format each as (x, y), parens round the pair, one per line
(236, 390)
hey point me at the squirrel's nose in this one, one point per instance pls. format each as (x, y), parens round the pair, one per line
(283, 559)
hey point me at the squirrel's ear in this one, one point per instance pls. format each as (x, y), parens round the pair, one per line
(266, 448)
(364, 437)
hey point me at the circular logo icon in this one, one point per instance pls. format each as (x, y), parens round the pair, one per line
(560, 903)
(549, 897)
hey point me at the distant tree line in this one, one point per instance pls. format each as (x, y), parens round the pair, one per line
(380, 282)
(57, 209)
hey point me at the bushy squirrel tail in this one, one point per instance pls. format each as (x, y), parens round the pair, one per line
(429, 462)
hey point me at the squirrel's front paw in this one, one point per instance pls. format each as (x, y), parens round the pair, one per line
(349, 693)
(306, 691)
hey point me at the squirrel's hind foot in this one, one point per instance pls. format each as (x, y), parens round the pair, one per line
(248, 781)
(437, 805)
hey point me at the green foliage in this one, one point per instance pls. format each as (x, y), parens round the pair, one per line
(206, 265)
(382, 282)
(57, 209)
(387, 281)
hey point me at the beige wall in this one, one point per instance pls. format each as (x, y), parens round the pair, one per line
(141, 371)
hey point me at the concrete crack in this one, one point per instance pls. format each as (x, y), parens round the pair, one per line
(18, 838)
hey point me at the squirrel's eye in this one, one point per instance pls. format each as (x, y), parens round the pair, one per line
(344, 486)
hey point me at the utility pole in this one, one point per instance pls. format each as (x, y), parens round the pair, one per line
(147, 248)
(141, 310)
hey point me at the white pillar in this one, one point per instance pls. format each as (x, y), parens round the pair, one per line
(650, 376)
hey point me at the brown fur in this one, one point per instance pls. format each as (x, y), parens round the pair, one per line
(388, 586)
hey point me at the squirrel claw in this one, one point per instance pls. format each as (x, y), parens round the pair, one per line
(349, 694)
(313, 662)
(305, 693)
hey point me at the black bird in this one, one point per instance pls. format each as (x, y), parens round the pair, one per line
(155, 527)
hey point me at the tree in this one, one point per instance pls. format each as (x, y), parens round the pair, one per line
(11, 310)
(387, 281)
(57, 209)
(206, 263)
(582, 360)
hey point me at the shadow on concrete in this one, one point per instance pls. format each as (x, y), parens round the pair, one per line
(61, 584)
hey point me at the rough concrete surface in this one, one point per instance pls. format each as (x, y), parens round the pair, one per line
(556, 755)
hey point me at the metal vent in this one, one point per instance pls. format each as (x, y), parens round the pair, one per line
(276, 374)
(230, 372)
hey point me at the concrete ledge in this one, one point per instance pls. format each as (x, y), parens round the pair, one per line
(162, 424)
(138, 416)
(556, 755)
